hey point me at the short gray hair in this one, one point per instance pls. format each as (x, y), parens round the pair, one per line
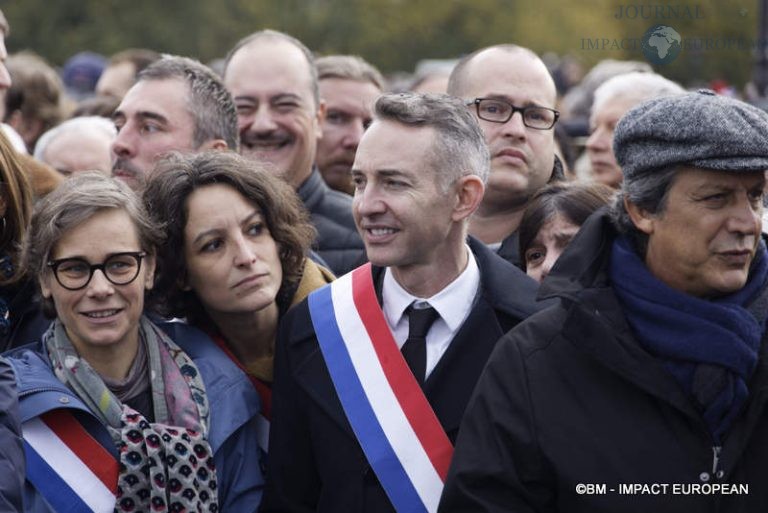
(460, 148)
(274, 35)
(635, 86)
(648, 192)
(84, 124)
(209, 102)
(348, 67)
(72, 203)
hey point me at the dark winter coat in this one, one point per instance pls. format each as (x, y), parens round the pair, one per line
(570, 399)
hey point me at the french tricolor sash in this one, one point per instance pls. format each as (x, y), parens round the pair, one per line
(392, 420)
(67, 466)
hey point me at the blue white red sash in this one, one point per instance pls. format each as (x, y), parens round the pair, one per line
(67, 466)
(395, 425)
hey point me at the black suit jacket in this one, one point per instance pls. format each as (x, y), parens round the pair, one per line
(315, 462)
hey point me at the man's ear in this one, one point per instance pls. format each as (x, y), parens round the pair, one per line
(642, 219)
(213, 144)
(319, 118)
(469, 193)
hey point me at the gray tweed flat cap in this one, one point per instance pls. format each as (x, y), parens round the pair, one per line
(695, 129)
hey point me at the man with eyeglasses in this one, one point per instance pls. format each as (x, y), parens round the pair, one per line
(512, 94)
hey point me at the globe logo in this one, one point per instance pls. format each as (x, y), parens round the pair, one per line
(661, 44)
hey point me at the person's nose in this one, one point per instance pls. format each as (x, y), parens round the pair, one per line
(244, 252)
(124, 145)
(99, 286)
(353, 135)
(515, 128)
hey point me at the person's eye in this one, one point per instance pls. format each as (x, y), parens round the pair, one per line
(756, 196)
(358, 181)
(118, 266)
(395, 184)
(255, 229)
(211, 246)
(74, 268)
(285, 106)
(149, 128)
(534, 256)
(244, 109)
(715, 199)
(336, 117)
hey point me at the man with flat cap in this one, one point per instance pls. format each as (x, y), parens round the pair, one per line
(645, 387)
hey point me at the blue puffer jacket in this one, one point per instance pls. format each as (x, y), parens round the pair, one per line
(233, 405)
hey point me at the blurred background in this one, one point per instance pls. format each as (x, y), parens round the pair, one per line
(396, 35)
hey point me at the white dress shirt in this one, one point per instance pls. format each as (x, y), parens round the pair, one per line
(453, 303)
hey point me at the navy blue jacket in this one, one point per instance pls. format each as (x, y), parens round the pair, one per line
(315, 461)
(338, 242)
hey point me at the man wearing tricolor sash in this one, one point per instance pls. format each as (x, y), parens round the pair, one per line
(373, 372)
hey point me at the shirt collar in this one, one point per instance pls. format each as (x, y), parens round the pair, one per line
(453, 303)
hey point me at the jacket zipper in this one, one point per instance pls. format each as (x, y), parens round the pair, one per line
(43, 389)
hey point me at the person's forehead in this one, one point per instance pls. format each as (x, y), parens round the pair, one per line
(344, 91)
(691, 177)
(514, 74)
(165, 97)
(388, 143)
(613, 108)
(265, 64)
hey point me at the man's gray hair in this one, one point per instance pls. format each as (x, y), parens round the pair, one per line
(209, 102)
(274, 35)
(349, 67)
(635, 87)
(81, 125)
(72, 203)
(648, 192)
(460, 148)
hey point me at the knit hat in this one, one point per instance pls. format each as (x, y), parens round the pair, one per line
(697, 129)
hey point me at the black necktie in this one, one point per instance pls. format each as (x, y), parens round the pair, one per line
(415, 348)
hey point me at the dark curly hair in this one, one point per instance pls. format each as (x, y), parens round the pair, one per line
(166, 196)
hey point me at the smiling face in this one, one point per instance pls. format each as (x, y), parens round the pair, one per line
(233, 263)
(522, 158)
(278, 119)
(404, 218)
(705, 240)
(101, 316)
(152, 120)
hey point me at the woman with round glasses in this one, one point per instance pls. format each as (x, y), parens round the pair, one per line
(116, 415)
(235, 258)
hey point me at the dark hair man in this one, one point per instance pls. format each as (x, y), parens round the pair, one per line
(273, 80)
(513, 95)
(177, 104)
(419, 175)
(650, 377)
(349, 86)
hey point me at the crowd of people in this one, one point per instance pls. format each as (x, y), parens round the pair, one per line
(286, 285)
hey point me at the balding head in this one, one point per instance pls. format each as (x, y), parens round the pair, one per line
(522, 157)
